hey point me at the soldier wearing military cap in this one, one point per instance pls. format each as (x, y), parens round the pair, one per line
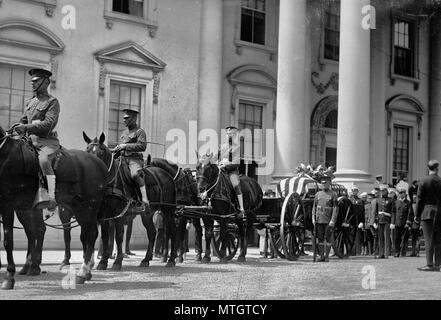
(133, 144)
(427, 211)
(324, 216)
(38, 121)
(401, 222)
(229, 161)
(386, 207)
(358, 209)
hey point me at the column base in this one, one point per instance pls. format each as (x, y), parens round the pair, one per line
(349, 178)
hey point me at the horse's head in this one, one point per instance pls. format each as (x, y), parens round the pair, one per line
(98, 148)
(207, 172)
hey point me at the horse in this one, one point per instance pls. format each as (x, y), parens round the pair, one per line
(186, 195)
(217, 187)
(19, 198)
(160, 191)
(80, 190)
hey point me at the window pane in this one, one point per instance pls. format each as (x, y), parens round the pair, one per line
(114, 93)
(259, 28)
(124, 98)
(5, 76)
(18, 79)
(246, 29)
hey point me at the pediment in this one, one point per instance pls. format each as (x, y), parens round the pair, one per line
(405, 103)
(28, 34)
(130, 53)
(253, 75)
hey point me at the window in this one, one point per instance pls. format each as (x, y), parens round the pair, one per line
(122, 96)
(15, 90)
(132, 7)
(404, 48)
(400, 152)
(332, 120)
(250, 117)
(332, 30)
(253, 21)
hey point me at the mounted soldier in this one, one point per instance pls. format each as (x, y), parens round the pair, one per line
(133, 144)
(229, 161)
(39, 121)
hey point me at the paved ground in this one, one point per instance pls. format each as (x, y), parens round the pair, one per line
(393, 278)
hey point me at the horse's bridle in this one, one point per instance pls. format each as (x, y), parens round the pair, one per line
(215, 183)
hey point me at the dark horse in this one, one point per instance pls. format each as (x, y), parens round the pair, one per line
(80, 189)
(160, 191)
(19, 197)
(186, 194)
(222, 197)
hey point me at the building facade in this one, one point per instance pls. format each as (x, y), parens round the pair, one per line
(350, 83)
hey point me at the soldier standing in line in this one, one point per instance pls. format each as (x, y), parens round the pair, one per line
(324, 214)
(401, 222)
(358, 210)
(386, 207)
(427, 211)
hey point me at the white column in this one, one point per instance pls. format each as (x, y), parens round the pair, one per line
(210, 66)
(435, 90)
(291, 78)
(353, 143)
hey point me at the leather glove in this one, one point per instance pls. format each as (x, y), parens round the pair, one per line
(375, 226)
(360, 225)
(203, 195)
(331, 224)
(392, 226)
(21, 128)
(121, 146)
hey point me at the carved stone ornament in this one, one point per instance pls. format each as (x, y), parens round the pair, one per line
(320, 87)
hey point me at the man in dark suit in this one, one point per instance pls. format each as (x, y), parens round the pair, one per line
(427, 207)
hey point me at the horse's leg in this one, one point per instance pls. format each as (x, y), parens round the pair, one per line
(8, 224)
(89, 234)
(147, 221)
(102, 265)
(248, 229)
(25, 221)
(65, 218)
(171, 234)
(223, 240)
(119, 237)
(208, 225)
(243, 239)
(198, 238)
(161, 245)
(180, 238)
(38, 229)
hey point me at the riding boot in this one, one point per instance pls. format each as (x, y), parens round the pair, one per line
(51, 191)
(145, 200)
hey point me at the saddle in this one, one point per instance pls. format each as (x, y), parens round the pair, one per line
(30, 154)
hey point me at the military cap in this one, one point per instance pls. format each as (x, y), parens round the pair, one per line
(364, 194)
(354, 187)
(379, 177)
(130, 112)
(325, 179)
(433, 164)
(231, 128)
(39, 73)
